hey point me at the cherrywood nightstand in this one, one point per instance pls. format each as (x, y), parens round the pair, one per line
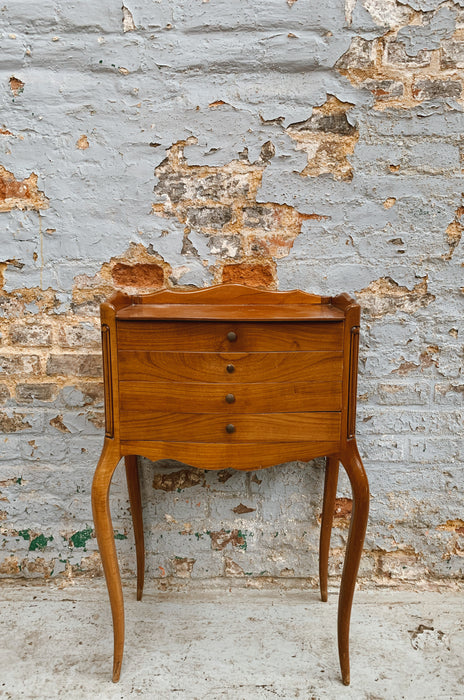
(230, 376)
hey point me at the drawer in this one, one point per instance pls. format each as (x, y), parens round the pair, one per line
(263, 427)
(212, 337)
(146, 397)
(229, 366)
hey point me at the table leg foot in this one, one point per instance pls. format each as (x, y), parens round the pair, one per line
(330, 493)
(105, 537)
(360, 489)
(133, 486)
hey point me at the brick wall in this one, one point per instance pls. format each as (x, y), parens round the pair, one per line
(280, 144)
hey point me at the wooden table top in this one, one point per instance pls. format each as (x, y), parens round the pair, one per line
(230, 312)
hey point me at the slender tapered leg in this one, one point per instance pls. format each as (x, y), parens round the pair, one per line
(133, 486)
(360, 489)
(330, 493)
(105, 537)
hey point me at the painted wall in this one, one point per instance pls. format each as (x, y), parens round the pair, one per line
(281, 144)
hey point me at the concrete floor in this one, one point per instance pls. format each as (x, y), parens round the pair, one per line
(238, 644)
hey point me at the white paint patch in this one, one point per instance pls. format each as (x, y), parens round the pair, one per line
(128, 24)
(386, 13)
(349, 7)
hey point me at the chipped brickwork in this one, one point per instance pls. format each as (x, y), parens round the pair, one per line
(328, 138)
(417, 58)
(283, 145)
(220, 204)
(20, 194)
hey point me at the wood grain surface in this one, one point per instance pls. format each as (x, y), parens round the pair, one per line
(212, 337)
(247, 367)
(246, 456)
(211, 427)
(188, 397)
(235, 312)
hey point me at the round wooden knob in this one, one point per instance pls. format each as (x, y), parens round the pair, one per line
(230, 398)
(230, 428)
(230, 368)
(231, 335)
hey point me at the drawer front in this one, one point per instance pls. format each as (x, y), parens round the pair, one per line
(230, 366)
(213, 337)
(264, 427)
(270, 397)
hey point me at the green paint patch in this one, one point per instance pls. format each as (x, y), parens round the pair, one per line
(120, 536)
(19, 480)
(25, 534)
(80, 539)
(242, 536)
(39, 542)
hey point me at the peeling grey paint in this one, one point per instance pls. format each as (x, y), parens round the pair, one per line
(429, 35)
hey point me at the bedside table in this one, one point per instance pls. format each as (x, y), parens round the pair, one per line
(230, 376)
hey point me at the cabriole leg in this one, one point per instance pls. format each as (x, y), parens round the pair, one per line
(105, 537)
(330, 493)
(360, 489)
(133, 486)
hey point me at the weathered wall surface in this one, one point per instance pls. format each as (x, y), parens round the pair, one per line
(282, 144)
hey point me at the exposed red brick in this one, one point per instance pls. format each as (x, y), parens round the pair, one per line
(221, 539)
(38, 567)
(385, 296)
(183, 567)
(9, 567)
(97, 418)
(224, 476)
(456, 525)
(242, 509)
(231, 568)
(35, 334)
(20, 194)
(252, 274)
(57, 422)
(454, 232)
(342, 511)
(16, 86)
(88, 566)
(28, 392)
(75, 365)
(13, 423)
(82, 142)
(138, 275)
(182, 479)
(328, 138)
(405, 368)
